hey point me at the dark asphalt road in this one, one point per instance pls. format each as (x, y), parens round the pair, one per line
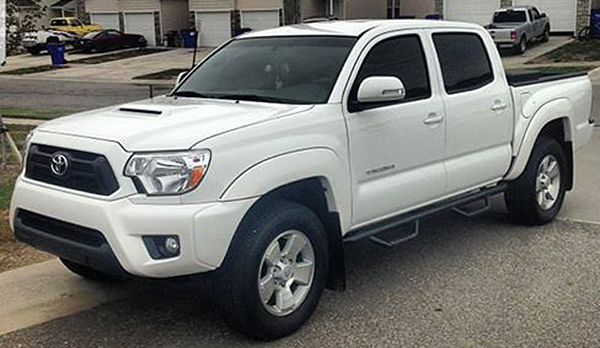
(464, 283)
(69, 96)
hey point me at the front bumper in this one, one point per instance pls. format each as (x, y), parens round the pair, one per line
(204, 230)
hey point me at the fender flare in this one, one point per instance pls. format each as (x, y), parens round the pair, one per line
(321, 162)
(553, 110)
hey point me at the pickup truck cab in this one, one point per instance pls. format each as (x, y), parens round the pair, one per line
(516, 27)
(72, 25)
(258, 174)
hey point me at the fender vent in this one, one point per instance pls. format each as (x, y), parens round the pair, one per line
(141, 111)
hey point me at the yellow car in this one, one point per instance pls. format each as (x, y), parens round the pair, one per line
(72, 25)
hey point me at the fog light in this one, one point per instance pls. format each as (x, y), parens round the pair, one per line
(162, 247)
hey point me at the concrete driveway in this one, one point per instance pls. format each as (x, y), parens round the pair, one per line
(535, 49)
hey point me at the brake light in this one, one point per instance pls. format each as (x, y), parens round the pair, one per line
(513, 35)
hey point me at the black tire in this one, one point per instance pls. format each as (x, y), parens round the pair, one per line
(521, 47)
(34, 50)
(86, 272)
(142, 43)
(236, 283)
(546, 34)
(521, 197)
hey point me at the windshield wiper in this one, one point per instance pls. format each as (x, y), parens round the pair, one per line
(257, 98)
(191, 94)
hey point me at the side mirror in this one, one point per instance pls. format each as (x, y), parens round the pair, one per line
(377, 89)
(181, 77)
(543, 15)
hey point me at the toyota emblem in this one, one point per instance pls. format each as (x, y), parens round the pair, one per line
(59, 164)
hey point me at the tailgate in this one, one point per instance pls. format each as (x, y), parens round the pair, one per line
(501, 35)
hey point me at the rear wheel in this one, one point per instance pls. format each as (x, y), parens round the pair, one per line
(521, 47)
(142, 43)
(275, 271)
(86, 272)
(536, 197)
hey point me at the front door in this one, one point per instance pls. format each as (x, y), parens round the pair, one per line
(397, 148)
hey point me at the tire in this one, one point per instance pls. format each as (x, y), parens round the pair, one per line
(528, 197)
(521, 47)
(258, 313)
(34, 51)
(142, 43)
(546, 34)
(86, 272)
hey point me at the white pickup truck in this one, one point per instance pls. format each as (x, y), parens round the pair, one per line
(285, 144)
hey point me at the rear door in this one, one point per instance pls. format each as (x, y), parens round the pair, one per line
(478, 109)
(397, 148)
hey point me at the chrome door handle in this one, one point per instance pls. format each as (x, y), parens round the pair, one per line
(499, 107)
(433, 119)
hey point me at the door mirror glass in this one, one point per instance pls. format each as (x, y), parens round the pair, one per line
(181, 77)
(377, 89)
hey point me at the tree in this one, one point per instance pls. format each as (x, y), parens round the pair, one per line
(20, 20)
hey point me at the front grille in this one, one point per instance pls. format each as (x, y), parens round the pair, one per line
(86, 171)
(61, 229)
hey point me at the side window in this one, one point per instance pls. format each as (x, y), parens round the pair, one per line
(531, 16)
(402, 57)
(464, 60)
(536, 13)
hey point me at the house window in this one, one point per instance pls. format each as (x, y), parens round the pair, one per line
(393, 9)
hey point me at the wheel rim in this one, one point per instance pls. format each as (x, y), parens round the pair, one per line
(523, 45)
(547, 186)
(286, 273)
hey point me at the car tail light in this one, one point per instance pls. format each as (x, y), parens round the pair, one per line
(513, 35)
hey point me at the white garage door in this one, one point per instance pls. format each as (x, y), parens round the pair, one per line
(142, 24)
(472, 11)
(214, 27)
(260, 20)
(562, 13)
(106, 20)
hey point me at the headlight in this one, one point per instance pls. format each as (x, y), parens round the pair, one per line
(168, 173)
(27, 143)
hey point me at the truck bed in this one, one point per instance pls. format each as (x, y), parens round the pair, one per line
(522, 77)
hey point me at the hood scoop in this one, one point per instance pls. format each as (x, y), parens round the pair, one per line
(141, 110)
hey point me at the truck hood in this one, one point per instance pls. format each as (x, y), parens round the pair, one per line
(166, 123)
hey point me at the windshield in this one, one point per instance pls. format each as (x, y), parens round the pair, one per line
(292, 70)
(91, 35)
(510, 17)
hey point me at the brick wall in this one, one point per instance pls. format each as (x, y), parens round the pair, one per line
(439, 7)
(583, 14)
(506, 3)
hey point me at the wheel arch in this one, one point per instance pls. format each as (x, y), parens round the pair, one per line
(551, 120)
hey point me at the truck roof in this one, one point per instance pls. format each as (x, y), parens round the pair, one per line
(356, 27)
(516, 8)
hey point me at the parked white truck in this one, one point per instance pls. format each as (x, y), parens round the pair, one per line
(285, 144)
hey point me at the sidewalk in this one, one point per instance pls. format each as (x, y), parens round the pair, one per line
(536, 49)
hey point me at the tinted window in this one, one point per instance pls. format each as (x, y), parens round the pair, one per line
(298, 70)
(464, 61)
(59, 22)
(402, 57)
(510, 17)
(536, 13)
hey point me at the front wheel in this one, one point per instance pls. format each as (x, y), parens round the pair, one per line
(275, 271)
(536, 197)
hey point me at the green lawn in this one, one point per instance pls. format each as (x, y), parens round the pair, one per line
(575, 51)
(32, 113)
(9, 173)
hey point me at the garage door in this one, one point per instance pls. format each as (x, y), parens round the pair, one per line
(472, 11)
(214, 27)
(142, 24)
(106, 20)
(260, 20)
(562, 13)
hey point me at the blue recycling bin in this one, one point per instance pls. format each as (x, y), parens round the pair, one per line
(57, 52)
(190, 38)
(595, 23)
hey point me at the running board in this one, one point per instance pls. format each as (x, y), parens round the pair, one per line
(459, 204)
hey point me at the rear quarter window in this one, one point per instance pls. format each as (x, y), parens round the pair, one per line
(464, 61)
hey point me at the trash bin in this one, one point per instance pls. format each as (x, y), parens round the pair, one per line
(595, 23)
(57, 52)
(190, 38)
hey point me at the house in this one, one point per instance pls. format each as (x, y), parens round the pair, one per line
(151, 18)
(567, 16)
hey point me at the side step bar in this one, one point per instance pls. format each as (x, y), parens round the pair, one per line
(461, 204)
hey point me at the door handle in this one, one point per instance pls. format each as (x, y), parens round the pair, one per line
(433, 119)
(499, 107)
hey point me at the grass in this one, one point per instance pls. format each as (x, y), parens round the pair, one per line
(33, 70)
(118, 56)
(6, 111)
(575, 51)
(169, 74)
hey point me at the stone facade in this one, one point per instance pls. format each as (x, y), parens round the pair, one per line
(157, 30)
(506, 3)
(291, 10)
(583, 14)
(439, 7)
(236, 21)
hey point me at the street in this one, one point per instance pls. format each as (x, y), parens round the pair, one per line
(479, 282)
